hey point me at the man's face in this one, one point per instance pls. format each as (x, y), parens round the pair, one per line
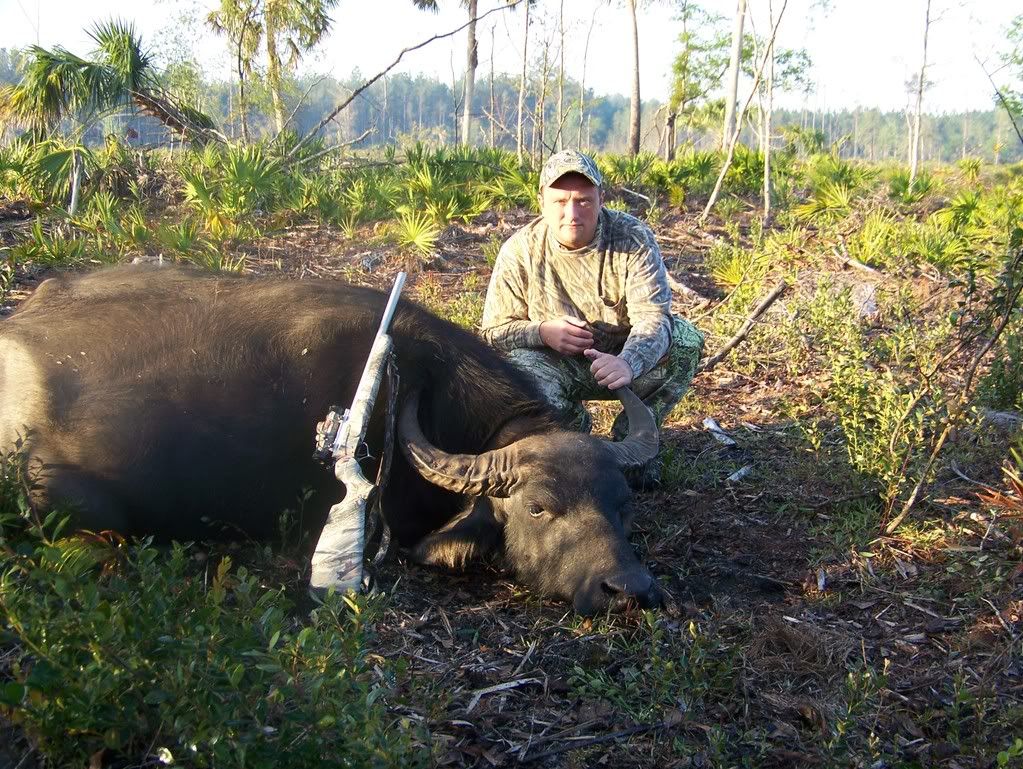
(570, 206)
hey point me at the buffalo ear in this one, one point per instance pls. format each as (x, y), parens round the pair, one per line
(469, 536)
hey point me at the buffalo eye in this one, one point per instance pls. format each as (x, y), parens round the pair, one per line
(535, 510)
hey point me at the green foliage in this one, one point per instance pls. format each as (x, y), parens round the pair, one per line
(746, 173)
(239, 181)
(961, 211)
(208, 671)
(970, 169)
(909, 193)
(625, 170)
(683, 669)
(938, 244)
(492, 248)
(417, 232)
(885, 411)
(830, 203)
(49, 248)
(878, 241)
(830, 169)
(216, 259)
(732, 264)
(1002, 387)
(182, 238)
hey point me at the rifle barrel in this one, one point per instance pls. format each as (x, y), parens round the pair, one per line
(392, 303)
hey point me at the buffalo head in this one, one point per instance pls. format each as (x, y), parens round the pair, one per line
(558, 502)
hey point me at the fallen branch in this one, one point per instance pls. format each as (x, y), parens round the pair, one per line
(333, 147)
(743, 332)
(480, 693)
(682, 288)
(639, 195)
(588, 741)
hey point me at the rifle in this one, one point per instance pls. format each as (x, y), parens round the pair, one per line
(338, 559)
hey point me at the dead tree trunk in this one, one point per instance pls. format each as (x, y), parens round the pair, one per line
(519, 146)
(914, 159)
(634, 113)
(471, 62)
(732, 82)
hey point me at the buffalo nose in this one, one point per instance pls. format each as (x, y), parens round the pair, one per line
(639, 586)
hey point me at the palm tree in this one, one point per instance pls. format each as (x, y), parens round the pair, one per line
(295, 26)
(59, 85)
(237, 19)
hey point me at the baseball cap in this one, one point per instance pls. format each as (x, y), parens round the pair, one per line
(567, 162)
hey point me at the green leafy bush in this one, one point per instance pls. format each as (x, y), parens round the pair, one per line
(126, 649)
(907, 192)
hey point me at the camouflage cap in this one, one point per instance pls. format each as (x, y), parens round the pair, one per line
(567, 162)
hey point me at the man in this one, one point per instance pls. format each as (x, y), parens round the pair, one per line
(579, 299)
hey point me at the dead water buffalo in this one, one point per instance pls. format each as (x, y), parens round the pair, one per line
(154, 400)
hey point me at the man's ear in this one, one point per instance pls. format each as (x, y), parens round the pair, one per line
(539, 199)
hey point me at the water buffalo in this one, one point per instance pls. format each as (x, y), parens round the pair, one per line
(181, 404)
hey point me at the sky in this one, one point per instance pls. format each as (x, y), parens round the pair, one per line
(863, 51)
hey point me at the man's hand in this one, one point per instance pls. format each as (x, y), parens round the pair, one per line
(610, 371)
(566, 335)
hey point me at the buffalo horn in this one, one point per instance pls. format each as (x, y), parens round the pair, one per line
(486, 475)
(640, 446)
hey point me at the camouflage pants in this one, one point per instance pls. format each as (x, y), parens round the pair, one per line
(566, 381)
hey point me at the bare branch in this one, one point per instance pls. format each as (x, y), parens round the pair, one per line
(1001, 98)
(743, 332)
(338, 109)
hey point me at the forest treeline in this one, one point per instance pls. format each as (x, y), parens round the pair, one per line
(406, 107)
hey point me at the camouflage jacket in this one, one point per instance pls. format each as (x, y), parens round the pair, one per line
(617, 284)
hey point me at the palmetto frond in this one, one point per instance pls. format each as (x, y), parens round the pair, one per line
(59, 84)
(119, 50)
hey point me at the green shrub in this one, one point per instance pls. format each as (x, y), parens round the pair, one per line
(907, 192)
(51, 248)
(830, 203)
(878, 241)
(1002, 386)
(123, 648)
(417, 232)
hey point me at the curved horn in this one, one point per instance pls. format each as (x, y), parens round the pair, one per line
(640, 445)
(486, 475)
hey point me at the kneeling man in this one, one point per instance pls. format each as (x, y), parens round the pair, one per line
(579, 299)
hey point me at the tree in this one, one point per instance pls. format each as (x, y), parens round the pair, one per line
(914, 152)
(472, 60)
(698, 67)
(734, 63)
(57, 84)
(296, 26)
(635, 106)
(582, 82)
(519, 145)
(734, 138)
(238, 21)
